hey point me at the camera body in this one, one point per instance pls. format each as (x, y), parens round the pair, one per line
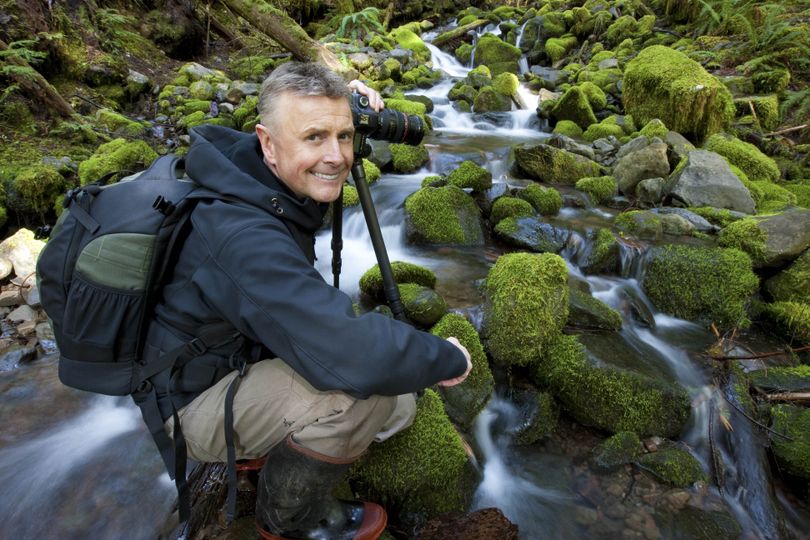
(392, 126)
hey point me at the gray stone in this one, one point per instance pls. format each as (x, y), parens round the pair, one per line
(650, 190)
(31, 295)
(788, 235)
(11, 297)
(608, 63)
(707, 180)
(648, 162)
(196, 71)
(701, 224)
(570, 145)
(679, 146)
(676, 225)
(532, 233)
(634, 145)
(22, 314)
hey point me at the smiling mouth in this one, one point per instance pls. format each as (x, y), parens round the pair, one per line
(324, 176)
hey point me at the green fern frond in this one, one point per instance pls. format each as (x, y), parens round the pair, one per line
(10, 89)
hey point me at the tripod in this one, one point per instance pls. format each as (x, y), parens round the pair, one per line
(361, 150)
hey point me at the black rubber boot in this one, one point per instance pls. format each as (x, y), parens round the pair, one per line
(294, 498)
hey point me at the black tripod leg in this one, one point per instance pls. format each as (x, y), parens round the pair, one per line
(337, 238)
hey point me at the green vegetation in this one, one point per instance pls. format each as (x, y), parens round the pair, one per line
(600, 189)
(470, 175)
(508, 207)
(443, 215)
(371, 282)
(545, 200)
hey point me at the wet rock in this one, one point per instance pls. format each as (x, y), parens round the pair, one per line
(620, 449)
(533, 233)
(650, 190)
(538, 415)
(673, 466)
(699, 222)
(697, 524)
(707, 180)
(16, 355)
(648, 162)
(782, 379)
(568, 144)
(22, 314)
(585, 311)
(484, 524)
(549, 164)
(791, 455)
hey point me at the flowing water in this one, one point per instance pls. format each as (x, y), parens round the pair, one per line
(78, 466)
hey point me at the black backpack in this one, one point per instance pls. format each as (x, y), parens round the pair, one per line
(100, 276)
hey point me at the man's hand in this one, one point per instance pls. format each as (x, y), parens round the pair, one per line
(375, 100)
(460, 379)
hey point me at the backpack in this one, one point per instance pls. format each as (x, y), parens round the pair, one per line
(100, 276)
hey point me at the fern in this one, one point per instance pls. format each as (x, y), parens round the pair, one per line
(20, 49)
(360, 24)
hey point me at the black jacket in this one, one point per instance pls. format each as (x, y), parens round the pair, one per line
(252, 266)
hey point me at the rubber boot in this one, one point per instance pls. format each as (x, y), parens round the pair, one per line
(294, 498)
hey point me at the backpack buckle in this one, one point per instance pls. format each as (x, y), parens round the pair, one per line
(163, 205)
(197, 346)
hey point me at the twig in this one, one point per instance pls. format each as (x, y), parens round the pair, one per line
(718, 479)
(789, 396)
(757, 356)
(787, 130)
(755, 422)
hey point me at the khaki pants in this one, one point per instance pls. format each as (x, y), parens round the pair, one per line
(273, 400)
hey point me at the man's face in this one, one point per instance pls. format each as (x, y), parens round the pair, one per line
(310, 148)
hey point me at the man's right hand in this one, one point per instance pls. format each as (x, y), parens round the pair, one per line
(460, 379)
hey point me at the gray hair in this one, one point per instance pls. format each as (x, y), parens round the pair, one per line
(301, 79)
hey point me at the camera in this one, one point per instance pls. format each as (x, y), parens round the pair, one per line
(390, 125)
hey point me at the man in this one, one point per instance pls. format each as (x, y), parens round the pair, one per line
(332, 381)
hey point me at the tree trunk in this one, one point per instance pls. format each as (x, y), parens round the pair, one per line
(458, 34)
(285, 31)
(36, 87)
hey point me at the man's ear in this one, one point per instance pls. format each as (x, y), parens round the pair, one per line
(266, 142)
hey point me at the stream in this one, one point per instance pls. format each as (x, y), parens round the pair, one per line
(76, 466)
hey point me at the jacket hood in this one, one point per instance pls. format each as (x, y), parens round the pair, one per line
(230, 163)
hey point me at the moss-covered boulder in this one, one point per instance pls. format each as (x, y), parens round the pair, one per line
(464, 401)
(371, 283)
(792, 283)
(589, 313)
(490, 100)
(422, 470)
(602, 255)
(423, 306)
(603, 130)
(557, 47)
(406, 158)
(569, 128)
(611, 399)
(781, 379)
(526, 306)
(505, 207)
(765, 107)
(498, 55)
(119, 124)
(673, 466)
(664, 83)
(756, 165)
(554, 165)
(545, 200)
(443, 215)
(408, 39)
(791, 319)
(34, 189)
(574, 106)
(118, 156)
(619, 449)
(532, 233)
(470, 175)
(793, 456)
(600, 189)
(639, 224)
(538, 415)
(771, 241)
(706, 284)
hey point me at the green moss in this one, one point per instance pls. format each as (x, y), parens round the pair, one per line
(509, 206)
(371, 282)
(674, 466)
(526, 306)
(654, 128)
(506, 84)
(569, 128)
(373, 172)
(407, 158)
(600, 188)
(596, 96)
(423, 305)
(470, 175)
(585, 311)
(497, 55)
(620, 449)
(350, 196)
(639, 223)
(490, 100)
(781, 379)
(444, 215)
(574, 106)
(802, 193)
(744, 155)
(766, 108)
(251, 68)
(558, 47)
(771, 197)
(545, 200)
(606, 79)
(793, 455)
(549, 164)
(117, 156)
(464, 53)
(407, 39)
(707, 284)
(775, 81)
(423, 469)
(745, 235)
(792, 318)
(663, 83)
(602, 130)
(119, 124)
(718, 216)
(608, 398)
(37, 186)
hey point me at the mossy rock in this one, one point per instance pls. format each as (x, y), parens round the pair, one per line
(421, 470)
(603, 254)
(611, 399)
(506, 84)
(545, 200)
(464, 401)
(569, 128)
(746, 156)
(596, 96)
(350, 196)
(409, 107)
(504, 207)
(251, 68)
(490, 100)
(470, 175)
(443, 215)
(793, 456)
(673, 466)
(407, 39)
(423, 306)
(603, 130)
(373, 173)
(745, 235)
(706, 284)
(554, 165)
(119, 124)
(574, 106)
(587, 312)
(766, 108)
(664, 83)
(781, 379)
(654, 128)
(698, 524)
(791, 319)
(606, 79)
(538, 415)
(526, 306)
(802, 193)
(600, 189)
(371, 282)
(792, 283)
(619, 449)
(498, 55)
(532, 233)
(35, 188)
(639, 224)
(775, 81)
(117, 156)
(406, 158)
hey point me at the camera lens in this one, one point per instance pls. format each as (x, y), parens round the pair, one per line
(388, 124)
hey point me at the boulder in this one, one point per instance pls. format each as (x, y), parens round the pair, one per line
(792, 283)
(423, 306)
(443, 215)
(549, 164)
(22, 250)
(793, 454)
(532, 233)
(771, 241)
(648, 162)
(707, 180)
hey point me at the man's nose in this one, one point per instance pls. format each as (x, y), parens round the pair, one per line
(332, 151)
